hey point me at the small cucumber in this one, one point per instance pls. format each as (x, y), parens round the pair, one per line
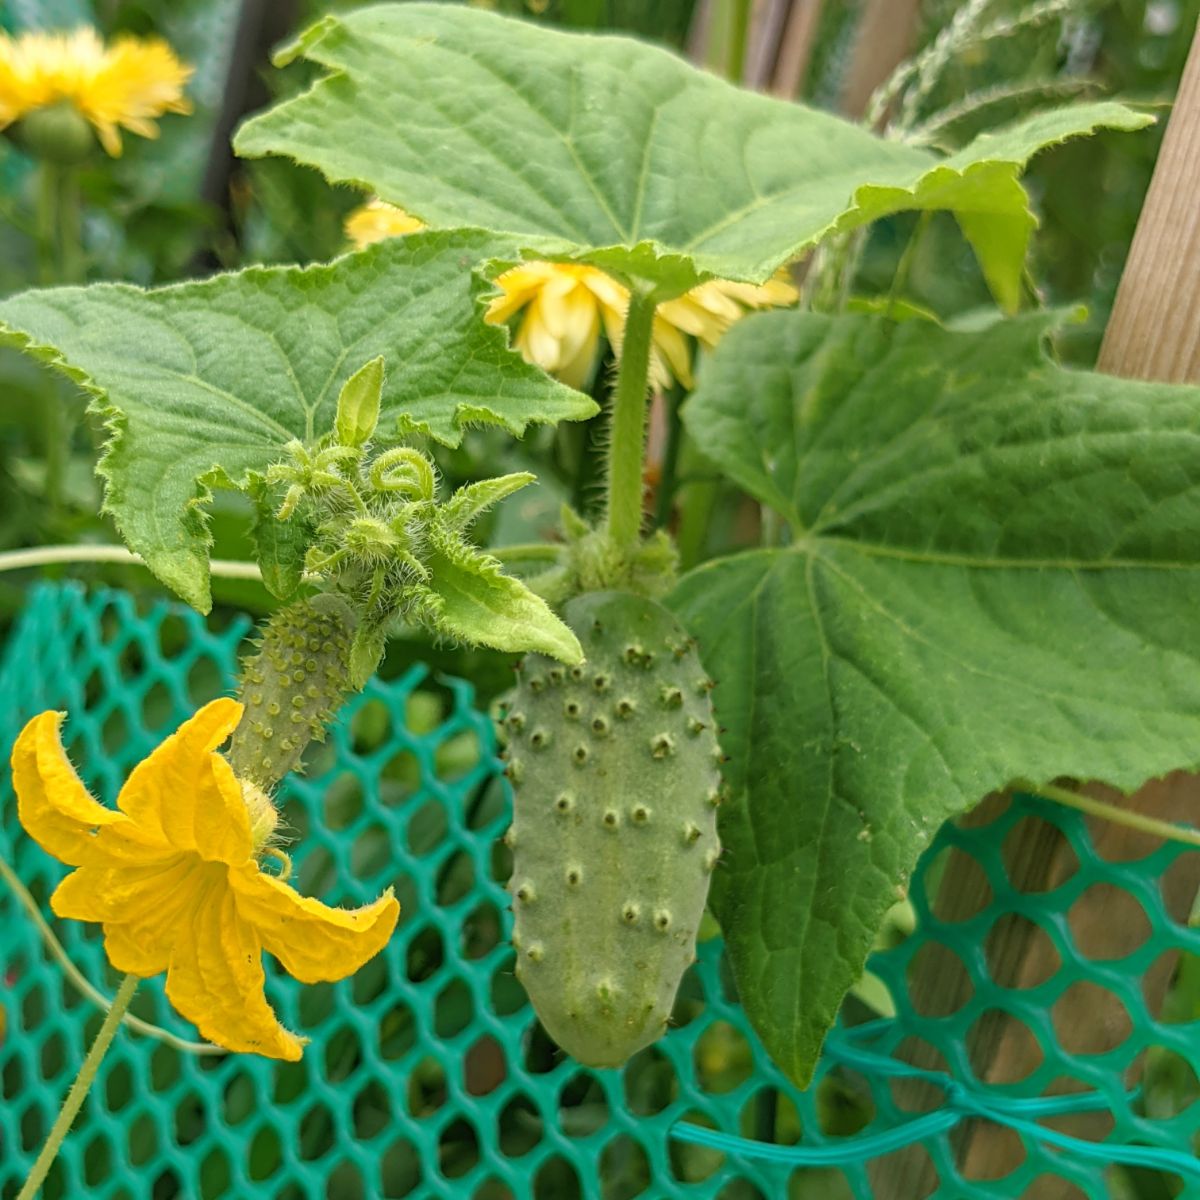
(614, 767)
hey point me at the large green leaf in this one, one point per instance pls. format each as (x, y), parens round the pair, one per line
(204, 383)
(621, 153)
(993, 576)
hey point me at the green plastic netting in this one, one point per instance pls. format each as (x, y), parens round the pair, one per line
(428, 1075)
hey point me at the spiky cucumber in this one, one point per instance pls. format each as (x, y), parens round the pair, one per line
(292, 687)
(614, 835)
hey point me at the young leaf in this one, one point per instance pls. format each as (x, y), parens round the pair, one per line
(622, 154)
(203, 383)
(994, 576)
(280, 545)
(469, 502)
(358, 404)
(476, 602)
(370, 641)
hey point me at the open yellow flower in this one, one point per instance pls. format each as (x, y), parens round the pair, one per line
(173, 877)
(378, 220)
(124, 85)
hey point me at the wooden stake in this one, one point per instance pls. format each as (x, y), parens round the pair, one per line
(1153, 334)
(796, 48)
(884, 39)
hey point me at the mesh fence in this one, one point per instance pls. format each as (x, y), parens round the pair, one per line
(428, 1074)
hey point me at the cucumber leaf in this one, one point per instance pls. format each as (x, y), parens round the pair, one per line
(608, 150)
(202, 384)
(993, 576)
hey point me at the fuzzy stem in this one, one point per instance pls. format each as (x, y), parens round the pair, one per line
(79, 1089)
(1112, 812)
(628, 446)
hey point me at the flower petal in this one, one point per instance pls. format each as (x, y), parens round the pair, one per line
(185, 796)
(216, 978)
(141, 908)
(52, 804)
(313, 941)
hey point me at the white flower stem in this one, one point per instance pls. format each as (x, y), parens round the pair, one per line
(79, 1089)
(42, 556)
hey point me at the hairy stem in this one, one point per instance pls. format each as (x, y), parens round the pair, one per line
(628, 446)
(79, 1089)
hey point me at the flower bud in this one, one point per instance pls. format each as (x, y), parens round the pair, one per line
(57, 134)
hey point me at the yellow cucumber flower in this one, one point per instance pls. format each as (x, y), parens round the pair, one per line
(174, 878)
(706, 313)
(126, 84)
(563, 306)
(378, 220)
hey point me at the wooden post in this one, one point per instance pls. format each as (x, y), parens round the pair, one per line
(796, 48)
(884, 39)
(1154, 331)
(1153, 334)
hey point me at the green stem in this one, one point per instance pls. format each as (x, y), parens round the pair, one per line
(46, 223)
(79, 1089)
(669, 476)
(739, 36)
(72, 268)
(770, 526)
(904, 266)
(49, 200)
(525, 552)
(628, 445)
(60, 258)
(1112, 812)
(41, 556)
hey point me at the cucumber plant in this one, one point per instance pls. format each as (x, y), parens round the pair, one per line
(979, 566)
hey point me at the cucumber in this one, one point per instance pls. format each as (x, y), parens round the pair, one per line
(614, 768)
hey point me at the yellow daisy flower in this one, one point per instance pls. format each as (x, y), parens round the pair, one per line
(174, 878)
(124, 85)
(377, 220)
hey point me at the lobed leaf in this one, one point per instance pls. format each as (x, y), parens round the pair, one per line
(993, 576)
(609, 150)
(202, 384)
